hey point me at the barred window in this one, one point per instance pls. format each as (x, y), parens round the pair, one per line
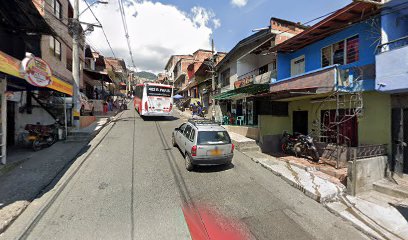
(352, 49)
(326, 57)
(343, 52)
(338, 53)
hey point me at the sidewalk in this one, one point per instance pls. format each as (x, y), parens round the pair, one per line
(372, 214)
(28, 173)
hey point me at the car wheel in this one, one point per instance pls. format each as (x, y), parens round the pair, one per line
(173, 141)
(189, 164)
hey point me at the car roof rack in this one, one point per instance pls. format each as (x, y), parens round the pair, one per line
(202, 122)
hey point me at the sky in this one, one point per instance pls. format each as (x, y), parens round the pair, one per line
(160, 28)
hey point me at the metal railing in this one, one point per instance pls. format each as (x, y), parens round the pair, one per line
(394, 44)
(368, 151)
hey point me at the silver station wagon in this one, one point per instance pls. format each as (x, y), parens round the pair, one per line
(203, 142)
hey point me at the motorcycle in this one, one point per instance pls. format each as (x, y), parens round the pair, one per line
(203, 112)
(42, 135)
(299, 145)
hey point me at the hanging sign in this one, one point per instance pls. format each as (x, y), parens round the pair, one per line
(37, 71)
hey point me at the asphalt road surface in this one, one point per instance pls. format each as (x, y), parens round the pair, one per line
(135, 186)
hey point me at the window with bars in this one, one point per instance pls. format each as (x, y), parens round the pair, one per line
(343, 52)
(55, 47)
(352, 47)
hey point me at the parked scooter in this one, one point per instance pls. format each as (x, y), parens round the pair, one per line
(299, 145)
(42, 135)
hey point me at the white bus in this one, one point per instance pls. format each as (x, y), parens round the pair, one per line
(152, 99)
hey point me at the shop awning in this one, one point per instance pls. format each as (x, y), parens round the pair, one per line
(97, 75)
(11, 66)
(247, 91)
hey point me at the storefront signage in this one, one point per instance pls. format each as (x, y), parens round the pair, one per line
(37, 71)
(243, 82)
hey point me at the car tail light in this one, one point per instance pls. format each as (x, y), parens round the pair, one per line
(194, 151)
(232, 148)
(171, 106)
(146, 106)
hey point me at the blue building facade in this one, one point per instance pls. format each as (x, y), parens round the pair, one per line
(392, 57)
(358, 40)
(392, 77)
(326, 75)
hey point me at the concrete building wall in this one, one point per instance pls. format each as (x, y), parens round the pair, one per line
(270, 131)
(22, 119)
(372, 129)
(367, 172)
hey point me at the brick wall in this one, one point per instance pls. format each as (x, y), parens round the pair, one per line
(285, 26)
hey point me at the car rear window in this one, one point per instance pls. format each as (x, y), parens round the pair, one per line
(213, 137)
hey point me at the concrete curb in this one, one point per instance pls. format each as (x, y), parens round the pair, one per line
(336, 202)
(38, 207)
(297, 175)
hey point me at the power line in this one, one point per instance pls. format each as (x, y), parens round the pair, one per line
(122, 13)
(103, 30)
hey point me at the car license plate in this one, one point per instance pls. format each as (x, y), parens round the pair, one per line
(215, 152)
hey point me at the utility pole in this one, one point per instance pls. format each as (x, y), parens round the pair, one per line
(75, 64)
(213, 68)
(213, 111)
(76, 36)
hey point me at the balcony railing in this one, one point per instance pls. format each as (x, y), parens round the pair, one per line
(252, 78)
(322, 80)
(394, 44)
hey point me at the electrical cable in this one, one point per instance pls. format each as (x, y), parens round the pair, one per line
(103, 30)
(122, 13)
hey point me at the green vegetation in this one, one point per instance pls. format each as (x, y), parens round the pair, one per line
(147, 75)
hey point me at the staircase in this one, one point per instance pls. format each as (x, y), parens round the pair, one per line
(398, 189)
(244, 144)
(74, 136)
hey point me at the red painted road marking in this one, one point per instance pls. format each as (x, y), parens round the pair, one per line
(205, 224)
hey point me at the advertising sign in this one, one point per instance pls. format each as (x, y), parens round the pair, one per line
(243, 82)
(37, 71)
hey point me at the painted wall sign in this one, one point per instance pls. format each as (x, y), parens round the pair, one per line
(244, 82)
(37, 71)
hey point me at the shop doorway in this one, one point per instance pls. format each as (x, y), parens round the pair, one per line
(239, 108)
(300, 122)
(11, 124)
(400, 140)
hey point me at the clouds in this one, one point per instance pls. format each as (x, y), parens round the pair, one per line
(239, 3)
(156, 31)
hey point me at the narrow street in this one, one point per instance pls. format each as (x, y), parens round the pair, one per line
(135, 186)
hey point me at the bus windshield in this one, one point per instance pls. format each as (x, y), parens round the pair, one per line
(158, 91)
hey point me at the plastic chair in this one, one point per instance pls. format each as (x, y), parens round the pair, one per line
(240, 120)
(225, 120)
